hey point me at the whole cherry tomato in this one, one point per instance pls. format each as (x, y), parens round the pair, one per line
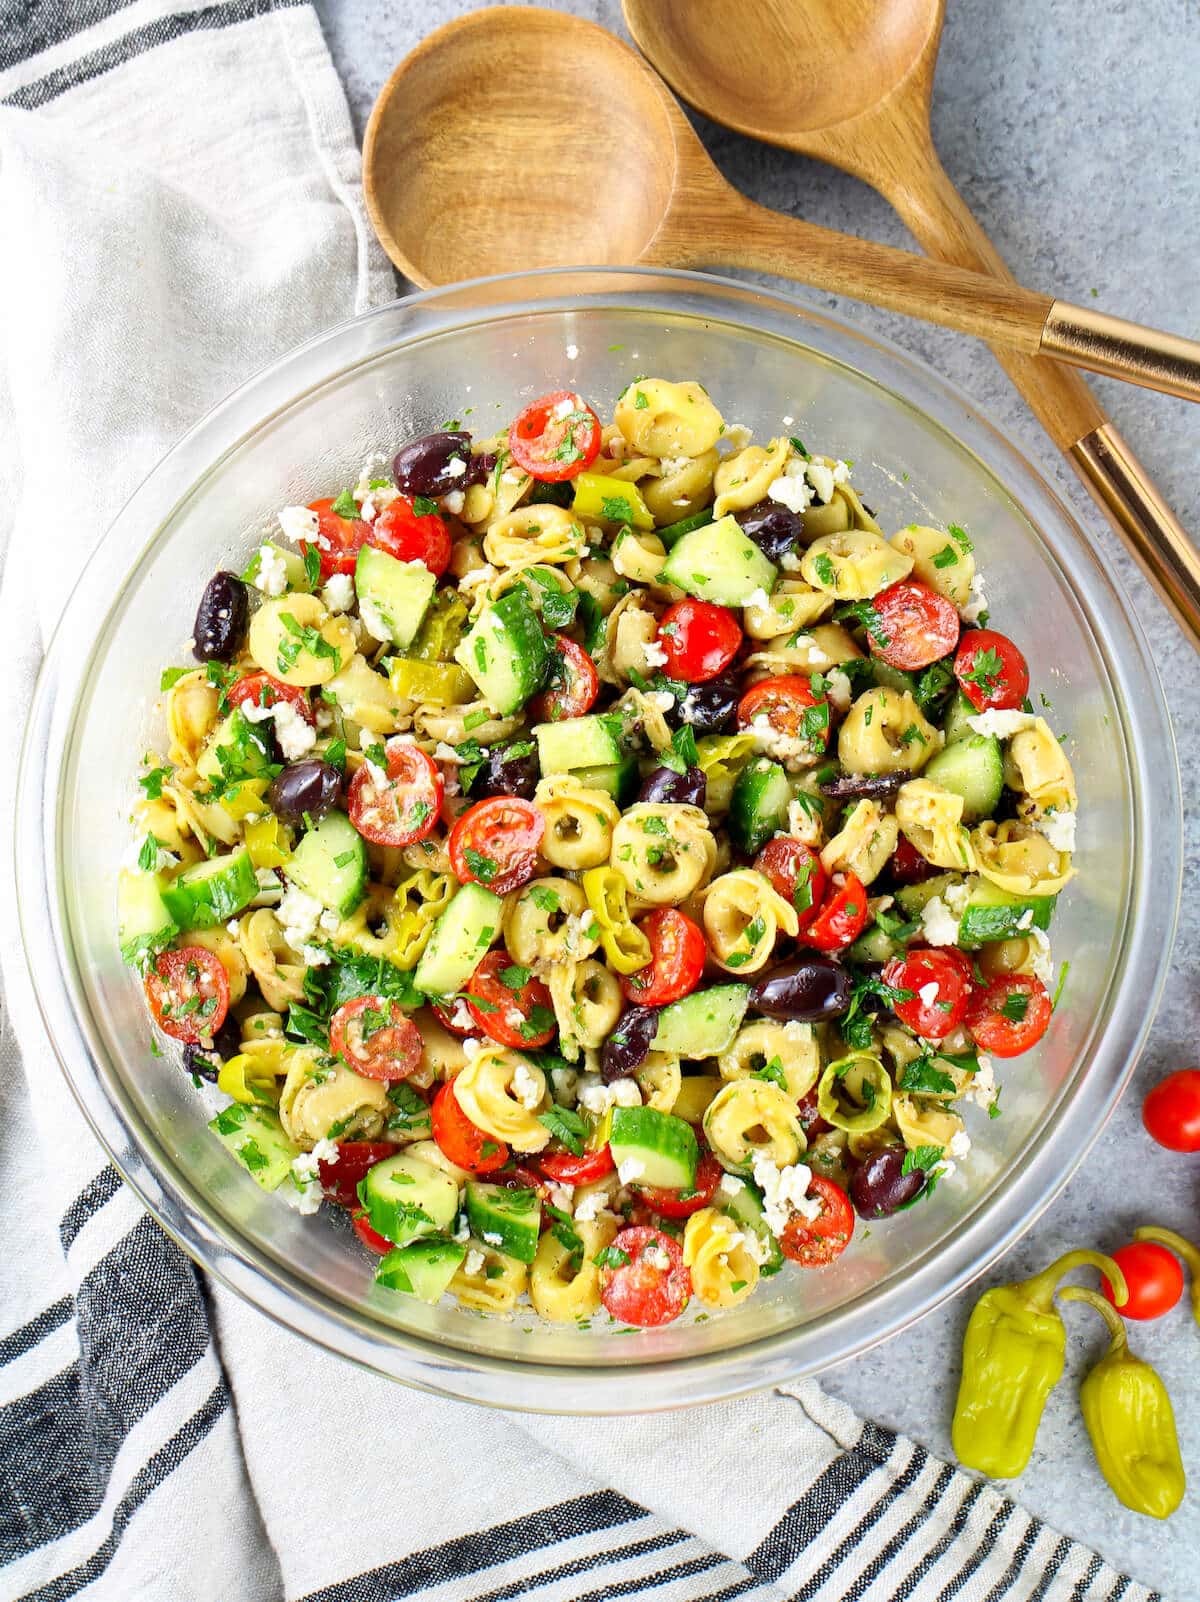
(938, 985)
(643, 1280)
(1154, 1278)
(188, 993)
(402, 808)
(677, 953)
(916, 626)
(842, 915)
(1171, 1111)
(815, 1242)
(509, 1004)
(462, 1141)
(796, 872)
(698, 639)
(495, 843)
(412, 531)
(991, 672)
(556, 437)
(573, 685)
(376, 1038)
(1010, 1016)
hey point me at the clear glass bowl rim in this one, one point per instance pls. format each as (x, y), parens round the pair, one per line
(777, 1358)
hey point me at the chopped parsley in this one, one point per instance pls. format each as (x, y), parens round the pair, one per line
(566, 1126)
(346, 506)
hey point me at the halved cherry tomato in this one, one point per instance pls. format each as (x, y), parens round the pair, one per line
(573, 685)
(814, 1242)
(461, 1140)
(788, 863)
(376, 1038)
(842, 915)
(404, 809)
(917, 623)
(1171, 1111)
(1153, 1276)
(495, 843)
(564, 1168)
(260, 689)
(931, 1013)
(499, 992)
(411, 536)
(556, 437)
(339, 1180)
(371, 1238)
(991, 672)
(1011, 1015)
(683, 1203)
(677, 952)
(907, 865)
(789, 707)
(188, 992)
(652, 1286)
(699, 640)
(338, 539)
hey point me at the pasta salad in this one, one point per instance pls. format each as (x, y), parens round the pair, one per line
(599, 859)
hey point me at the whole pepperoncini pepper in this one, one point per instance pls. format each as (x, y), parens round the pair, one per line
(1013, 1354)
(1129, 1418)
(1183, 1249)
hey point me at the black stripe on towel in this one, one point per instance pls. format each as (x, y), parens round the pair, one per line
(983, 1548)
(87, 1204)
(142, 1326)
(594, 1560)
(484, 1549)
(35, 25)
(910, 1585)
(1024, 1548)
(24, 1339)
(164, 1462)
(160, 32)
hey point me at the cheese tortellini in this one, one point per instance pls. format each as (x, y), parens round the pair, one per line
(502, 1094)
(855, 565)
(579, 822)
(663, 851)
(931, 818)
(743, 916)
(885, 731)
(750, 1116)
(660, 418)
(724, 1270)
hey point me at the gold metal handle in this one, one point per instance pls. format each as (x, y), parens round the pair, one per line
(1146, 523)
(1121, 349)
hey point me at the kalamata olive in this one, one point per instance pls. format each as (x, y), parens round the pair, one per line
(311, 787)
(709, 708)
(221, 619)
(773, 528)
(877, 786)
(506, 774)
(205, 1062)
(806, 990)
(664, 784)
(423, 466)
(878, 1185)
(627, 1048)
(809, 1115)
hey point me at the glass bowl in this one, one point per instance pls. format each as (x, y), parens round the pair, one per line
(479, 352)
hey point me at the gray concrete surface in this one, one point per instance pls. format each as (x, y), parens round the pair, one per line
(1072, 128)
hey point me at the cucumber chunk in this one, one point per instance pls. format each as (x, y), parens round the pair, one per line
(407, 1198)
(956, 726)
(588, 742)
(873, 945)
(972, 768)
(758, 805)
(508, 1220)
(618, 779)
(256, 1138)
(686, 525)
(720, 563)
(459, 941)
(399, 592)
(331, 863)
(506, 652)
(653, 1148)
(212, 892)
(995, 914)
(912, 897)
(702, 1024)
(423, 1268)
(745, 1207)
(144, 925)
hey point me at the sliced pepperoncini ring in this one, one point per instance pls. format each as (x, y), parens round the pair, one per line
(1183, 1249)
(855, 1093)
(625, 946)
(1130, 1421)
(247, 1080)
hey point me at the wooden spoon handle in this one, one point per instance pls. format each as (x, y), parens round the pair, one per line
(944, 225)
(737, 232)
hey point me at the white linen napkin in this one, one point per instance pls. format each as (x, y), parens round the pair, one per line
(180, 203)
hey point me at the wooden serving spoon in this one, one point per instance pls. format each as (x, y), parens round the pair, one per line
(849, 82)
(516, 137)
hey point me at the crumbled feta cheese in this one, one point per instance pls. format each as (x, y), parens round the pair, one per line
(982, 1089)
(1058, 828)
(929, 993)
(595, 1097)
(785, 1191)
(572, 352)
(759, 598)
(821, 479)
(938, 923)
(960, 1144)
(663, 700)
(299, 523)
(560, 1196)
(1043, 963)
(461, 1016)
(338, 594)
(455, 467)
(453, 502)
(793, 750)
(295, 734)
(514, 1018)
(792, 489)
(591, 1206)
(1001, 724)
(511, 475)
(841, 472)
(837, 688)
(462, 1233)
(305, 1193)
(674, 464)
(630, 1169)
(1026, 918)
(657, 1257)
(565, 407)
(473, 1262)
(790, 561)
(654, 654)
(234, 927)
(756, 1249)
(314, 956)
(731, 1185)
(298, 914)
(271, 574)
(472, 1047)
(578, 927)
(737, 435)
(804, 823)
(977, 602)
(478, 575)
(367, 509)
(956, 898)
(491, 1238)
(330, 921)
(372, 619)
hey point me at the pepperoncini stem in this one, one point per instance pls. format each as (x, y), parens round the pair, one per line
(1039, 1291)
(1119, 1346)
(1183, 1249)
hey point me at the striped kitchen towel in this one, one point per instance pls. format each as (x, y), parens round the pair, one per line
(180, 203)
